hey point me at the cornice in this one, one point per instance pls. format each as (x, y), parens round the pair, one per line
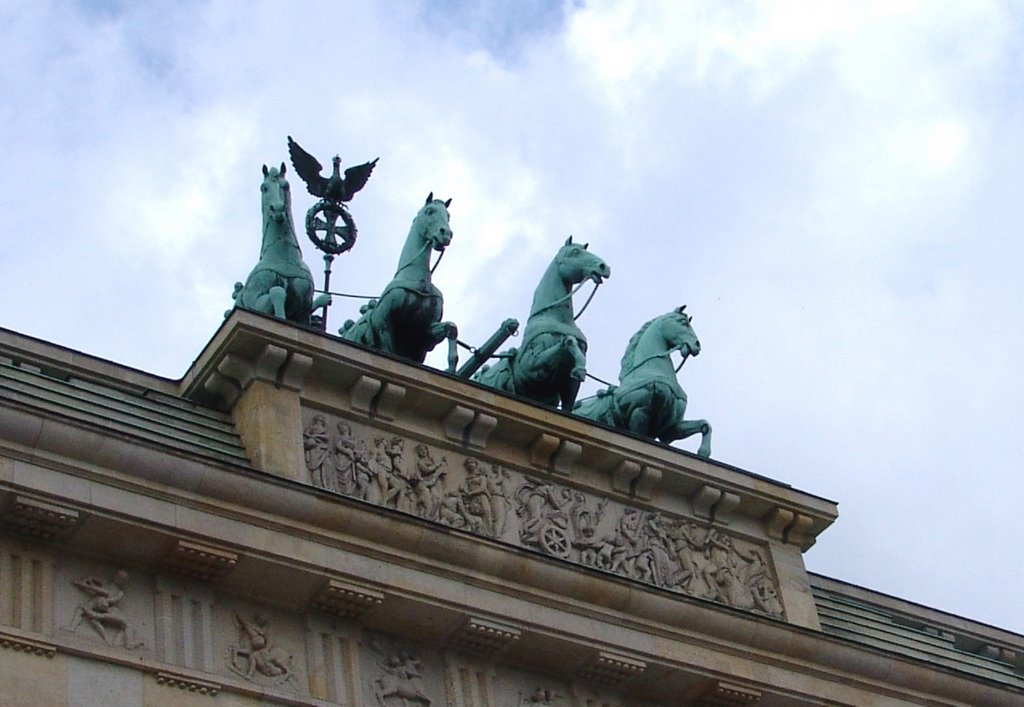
(329, 373)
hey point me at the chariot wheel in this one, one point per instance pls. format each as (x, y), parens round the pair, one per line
(323, 229)
(555, 541)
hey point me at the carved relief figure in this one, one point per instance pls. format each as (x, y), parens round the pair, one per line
(343, 456)
(254, 658)
(317, 443)
(422, 485)
(400, 683)
(545, 515)
(498, 481)
(102, 610)
(481, 503)
(685, 541)
(555, 518)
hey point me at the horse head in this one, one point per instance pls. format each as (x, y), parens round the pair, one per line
(275, 195)
(678, 332)
(432, 223)
(576, 264)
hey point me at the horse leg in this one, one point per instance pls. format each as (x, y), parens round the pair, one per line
(579, 360)
(639, 421)
(687, 428)
(576, 375)
(453, 349)
(440, 331)
(569, 392)
(277, 295)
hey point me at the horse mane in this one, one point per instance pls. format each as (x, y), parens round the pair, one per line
(627, 358)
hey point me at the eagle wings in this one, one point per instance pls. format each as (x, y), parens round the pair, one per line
(334, 188)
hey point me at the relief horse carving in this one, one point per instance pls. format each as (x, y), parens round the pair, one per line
(406, 319)
(648, 401)
(281, 284)
(551, 363)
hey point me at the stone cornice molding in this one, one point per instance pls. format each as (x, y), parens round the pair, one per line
(338, 375)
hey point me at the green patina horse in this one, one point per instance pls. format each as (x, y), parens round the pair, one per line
(648, 400)
(281, 284)
(406, 319)
(551, 362)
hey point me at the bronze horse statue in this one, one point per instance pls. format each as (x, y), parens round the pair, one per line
(406, 319)
(281, 284)
(648, 401)
(551, 362)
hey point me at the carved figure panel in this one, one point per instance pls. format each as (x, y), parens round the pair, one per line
(481, 502)
(515, 688)
(101, 610)
(399, 677)
(491, 500)
(255, 657)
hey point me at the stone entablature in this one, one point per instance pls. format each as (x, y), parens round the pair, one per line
(173, 571)
(744, 533)
(330, 374)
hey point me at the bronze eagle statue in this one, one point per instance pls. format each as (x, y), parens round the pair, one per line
(334, 188)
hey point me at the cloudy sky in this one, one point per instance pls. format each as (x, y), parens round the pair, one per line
(832, 188)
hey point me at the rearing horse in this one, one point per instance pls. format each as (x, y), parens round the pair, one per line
(406, 319)
(551, 363)
(281, 284)
(649, 400)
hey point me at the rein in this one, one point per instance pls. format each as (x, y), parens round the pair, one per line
(403, 266)
(562, 299)
(666, 354)
(412, 260)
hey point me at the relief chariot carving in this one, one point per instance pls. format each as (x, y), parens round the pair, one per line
(490, 500)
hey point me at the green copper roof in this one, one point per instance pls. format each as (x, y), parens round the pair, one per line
(145, 414)
(943, 641)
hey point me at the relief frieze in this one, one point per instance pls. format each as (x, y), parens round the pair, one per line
(254, 657)
(493, 501)
(101, 609)
(399, 680)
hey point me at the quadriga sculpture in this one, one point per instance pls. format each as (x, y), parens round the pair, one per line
(406, 319)
(648, 400)
(281, 284)
(551, 362)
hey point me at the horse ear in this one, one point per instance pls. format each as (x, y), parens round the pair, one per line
(283, 169)
(447, 203)
(568, 241)
(265, 170)
(681, 309)
(585, 246)
(430, 197)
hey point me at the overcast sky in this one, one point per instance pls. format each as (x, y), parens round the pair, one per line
(832, 188)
